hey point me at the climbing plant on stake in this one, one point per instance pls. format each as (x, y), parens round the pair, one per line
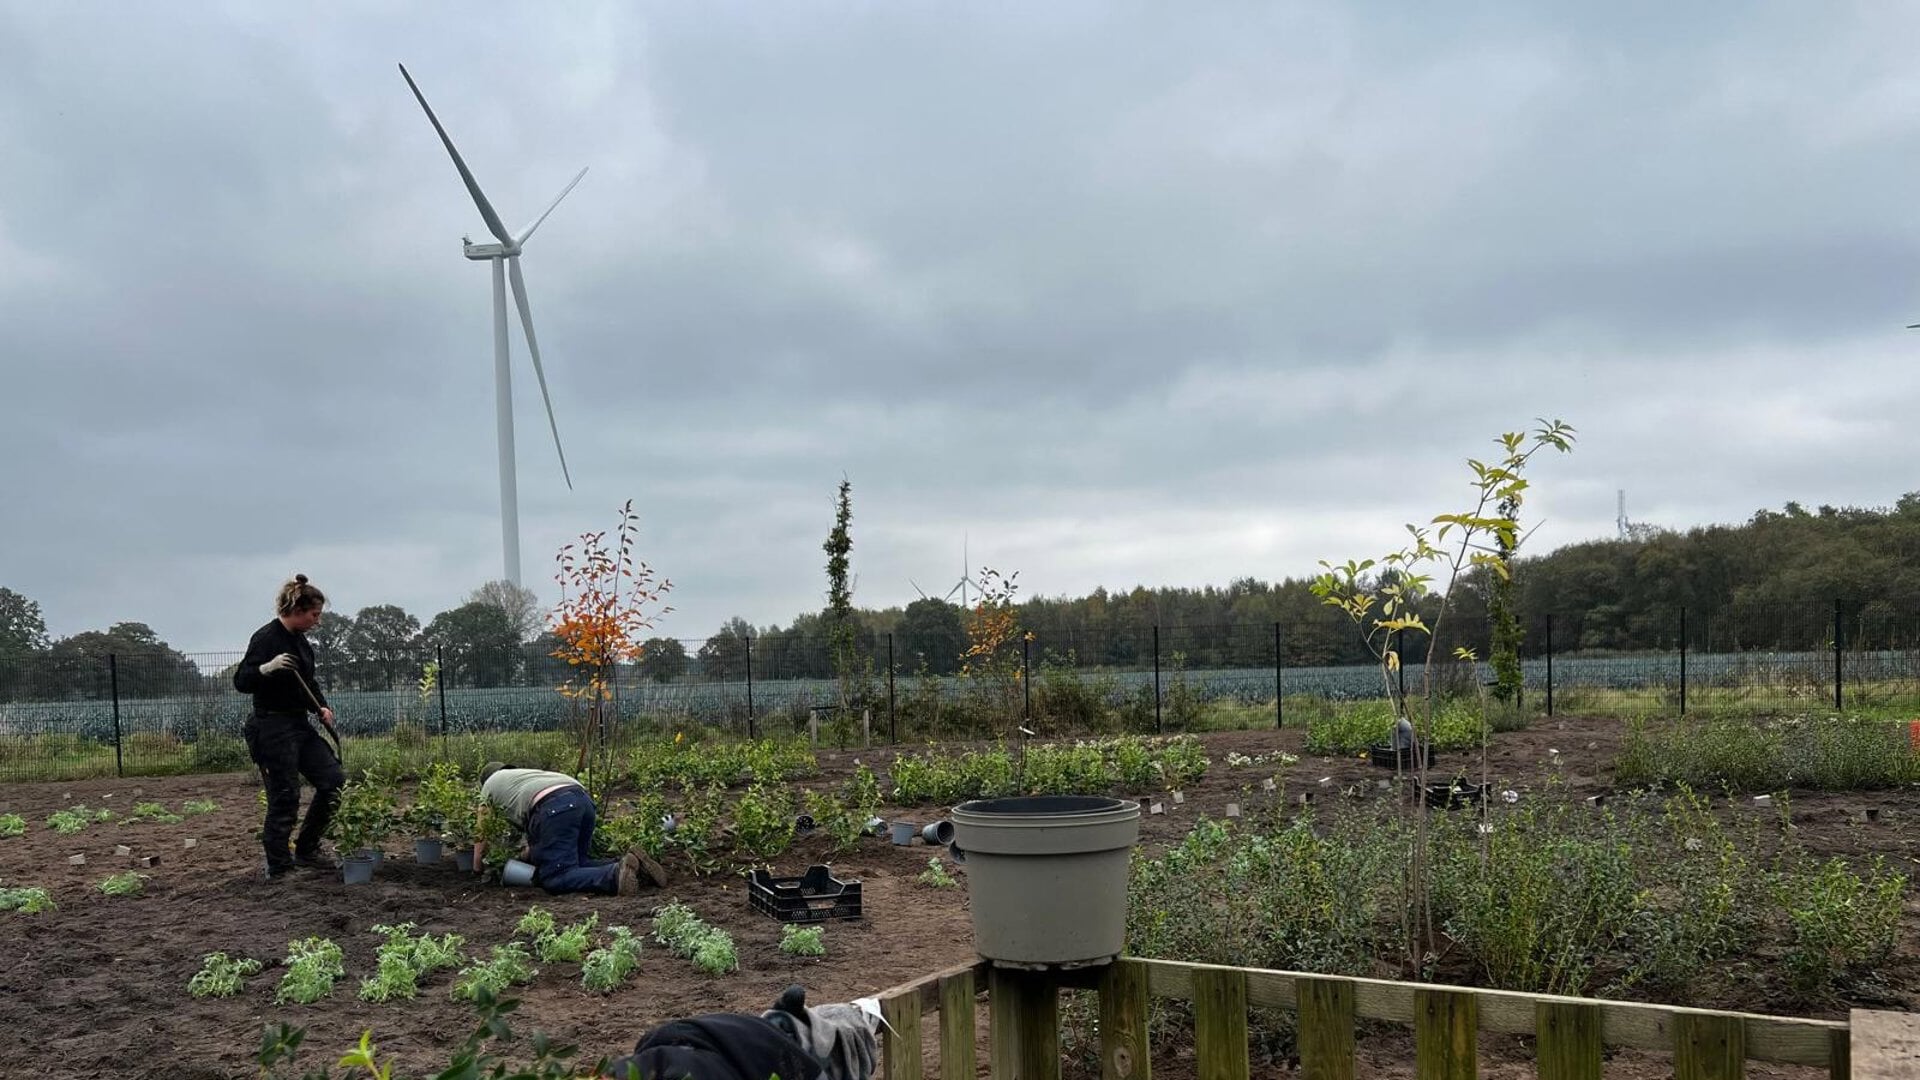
(608, 601)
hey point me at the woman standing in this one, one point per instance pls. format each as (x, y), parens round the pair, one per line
(278, 671)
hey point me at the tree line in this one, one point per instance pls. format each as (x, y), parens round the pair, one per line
(1771, 582)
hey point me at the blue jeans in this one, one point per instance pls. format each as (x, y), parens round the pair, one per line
(559, 839)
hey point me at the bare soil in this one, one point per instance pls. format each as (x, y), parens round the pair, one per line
(98, 987)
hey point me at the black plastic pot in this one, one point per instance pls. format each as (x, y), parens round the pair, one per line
(1387, 757)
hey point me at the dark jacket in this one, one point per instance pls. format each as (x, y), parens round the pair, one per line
(717, 1046)
(281, 692)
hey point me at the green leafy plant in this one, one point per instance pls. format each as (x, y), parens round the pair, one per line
(26, 900)
(280, 1045)
(365, 816)
(1842, 924)
(509, 965)
(312, 966)
(198, 806)
(607, 967)
(125, 883)
(803, 941)
(75, 818)
(221, 975)
(936, 875)
(153, 811)
(12, 825)
(566, 945)
(679, 929)
(403, 959)
(763, 821)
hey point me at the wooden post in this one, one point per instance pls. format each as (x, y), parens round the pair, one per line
(1220, 1023)
(1709, 1047)
(1446, 1028)
(1569, 1041)
(1124, 1054)
(958, 1059)
(902, 1044)
(1023, 1010)
(1326, 1028)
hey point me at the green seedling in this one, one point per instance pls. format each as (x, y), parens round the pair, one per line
(312, 966)
(803, 941)
(509, 965)
(220, 975)
(153, 811)
(73, 819)
(125, 883)
(936, 875)
(199, 806)
(607, 967)
(27, 901)
(711, 949)
(12, 825)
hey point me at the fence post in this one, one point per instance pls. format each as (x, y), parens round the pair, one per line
(1026, 678)
(893, 723)
(1683, 660)
(1549, 666)
(1839, 631)
(749, 638)
(1279, 717)
(113, 688)
(1159, 726)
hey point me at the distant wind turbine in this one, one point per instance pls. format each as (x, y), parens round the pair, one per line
(505, 257)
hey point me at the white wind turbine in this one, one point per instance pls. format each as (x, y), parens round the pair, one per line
(505, 257)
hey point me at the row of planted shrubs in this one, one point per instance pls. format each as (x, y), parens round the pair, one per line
(1821, 752)
(1648, 895)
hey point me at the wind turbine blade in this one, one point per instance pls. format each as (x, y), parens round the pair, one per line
(527, 232)
(492, 219)
(533, 350)
(917, 588)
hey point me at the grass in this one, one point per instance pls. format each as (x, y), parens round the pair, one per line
(1824, 753)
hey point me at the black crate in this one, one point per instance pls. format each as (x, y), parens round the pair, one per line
(815, 896)
(1387, 757)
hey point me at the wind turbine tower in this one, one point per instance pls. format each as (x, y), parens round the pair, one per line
(505, 259)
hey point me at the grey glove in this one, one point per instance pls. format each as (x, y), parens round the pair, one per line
(283, 662)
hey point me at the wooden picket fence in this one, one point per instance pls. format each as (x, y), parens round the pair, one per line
(1570, 1033)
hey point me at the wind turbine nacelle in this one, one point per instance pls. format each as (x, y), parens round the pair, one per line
(482, 252)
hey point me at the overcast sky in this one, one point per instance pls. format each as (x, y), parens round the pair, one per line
(1119, 294)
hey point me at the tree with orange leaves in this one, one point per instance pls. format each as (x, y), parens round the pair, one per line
(607, 602)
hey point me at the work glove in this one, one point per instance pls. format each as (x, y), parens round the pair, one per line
(283, 662)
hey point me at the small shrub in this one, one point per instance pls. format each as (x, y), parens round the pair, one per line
(509, 965)
(711, 949)
(763, 822)
(27, 901)
(312, 966)
(125, 883)
(12, 825)
(75, 818)
(198, 806)
(153, 811)
(220, 975)
(607, 967)
(803, 941)
(1841, 924)
(403, 959)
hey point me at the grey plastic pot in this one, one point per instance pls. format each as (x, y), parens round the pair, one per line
(903, 832)
(463, 859)
(357, 869)
(516, 873)
(938, 832)
(427, 851)
(1047, 877)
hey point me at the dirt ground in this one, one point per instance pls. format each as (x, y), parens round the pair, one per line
(98, 987)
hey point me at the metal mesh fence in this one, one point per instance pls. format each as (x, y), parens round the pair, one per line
(135, 714)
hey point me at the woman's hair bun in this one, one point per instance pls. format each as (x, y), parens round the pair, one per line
(300, 579)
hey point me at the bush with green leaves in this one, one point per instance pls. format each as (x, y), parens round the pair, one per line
(221, 975)
(198, 806)
(763, 821)
(1841, 924)
(75, 818)
(1825, 753)
(1084, 767)
(508, 965)
(404, 959)
(125, 883)
(556, 945)
(710, 948)
(312, 966)
(607, 967)
(1350, 727)
(30, 900)
(803, 940)
(153, 811)
(12, 825)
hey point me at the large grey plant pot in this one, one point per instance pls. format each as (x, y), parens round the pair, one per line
(427, 851)
(357, 869)
(1047, 877)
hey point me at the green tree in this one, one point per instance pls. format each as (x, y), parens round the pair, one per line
(146, 665)
(932, 633)
(663, 659)
(381, 646)
(724, 656)
(478, 644)
(23, 633)
(849, 668)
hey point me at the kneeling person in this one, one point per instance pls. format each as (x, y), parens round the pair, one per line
(557, 816)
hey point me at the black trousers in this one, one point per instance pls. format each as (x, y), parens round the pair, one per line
(286, 748)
